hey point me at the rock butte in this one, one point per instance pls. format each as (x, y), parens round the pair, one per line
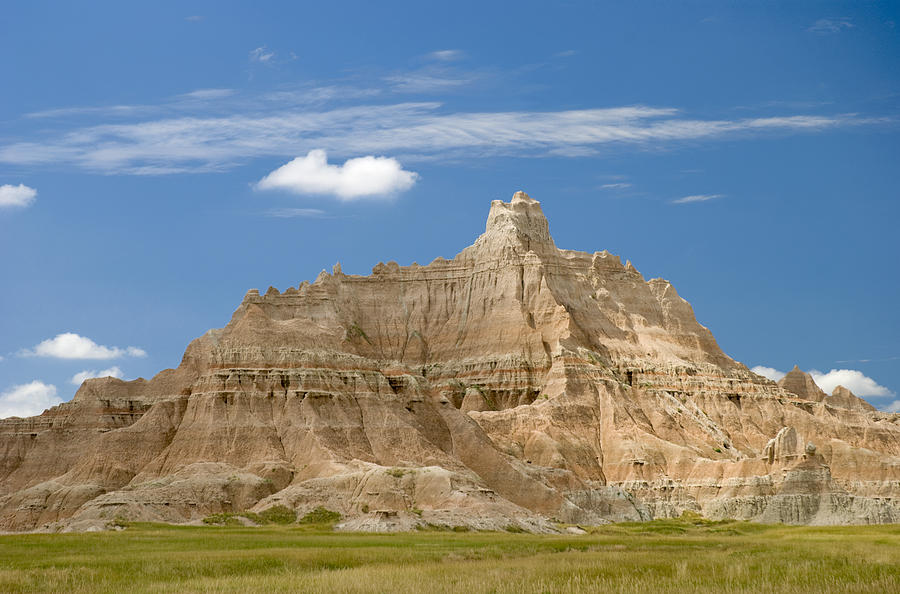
(513, 385)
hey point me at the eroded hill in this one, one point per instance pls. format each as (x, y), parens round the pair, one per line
(514, 384)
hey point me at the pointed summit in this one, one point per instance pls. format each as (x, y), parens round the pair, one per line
(802, 384)
(519, 223)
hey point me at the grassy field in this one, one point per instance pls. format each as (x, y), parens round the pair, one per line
(661, 556)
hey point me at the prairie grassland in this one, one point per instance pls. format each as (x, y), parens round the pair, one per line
(661, 556)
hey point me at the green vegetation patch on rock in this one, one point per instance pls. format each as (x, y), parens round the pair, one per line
(320, 515)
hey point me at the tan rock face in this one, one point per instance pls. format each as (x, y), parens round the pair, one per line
(513, 384)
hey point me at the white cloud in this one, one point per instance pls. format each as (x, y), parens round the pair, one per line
(853, 380)
(835, 25)
(26, 400)
(72, 346)
(20, 195)
(616, 186)
(697, 198)
(892, 407)
(282, 127)
(261, 54)
(448, 55)
(769, 372)
(356, 178)
(79, 377)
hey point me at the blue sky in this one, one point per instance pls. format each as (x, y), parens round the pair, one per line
(156, 162)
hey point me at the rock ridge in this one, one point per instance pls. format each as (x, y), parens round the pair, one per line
(513, 385)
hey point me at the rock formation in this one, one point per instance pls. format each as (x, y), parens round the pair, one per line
(515, 384)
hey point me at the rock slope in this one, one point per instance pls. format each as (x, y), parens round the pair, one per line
(515, 384)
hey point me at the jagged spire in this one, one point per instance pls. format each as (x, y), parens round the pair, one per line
(517, 223)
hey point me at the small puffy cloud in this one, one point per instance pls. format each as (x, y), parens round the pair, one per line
(20, 195)
(769, 372)
(853, 380)
(697, 198)
(261, 54)
(79, 377)
(447, 55)
(27, 400)
(893, 407)
(356, 178)
(616, 186)
(72, 346)
(835, 25)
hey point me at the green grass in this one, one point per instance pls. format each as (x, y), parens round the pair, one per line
(685, 555)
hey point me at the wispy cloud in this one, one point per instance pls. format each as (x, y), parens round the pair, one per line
(194, 18)
(832, 25)
(574, 151)
(615, 186)
(16, 196)
(428, 81)
(292, 122)
(291, 213)
(307, 95)
(205, 94)
(105, 110)
(565, 54)
(448, 55)
(261, 54)
(362, 177)
(697, 198)
(875, 360)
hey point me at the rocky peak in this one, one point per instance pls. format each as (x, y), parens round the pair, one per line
(515, 383)
(802, 384)
(519, 223)
(841, 392)
(842, 397)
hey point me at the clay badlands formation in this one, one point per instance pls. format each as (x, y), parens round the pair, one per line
(514, 385)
